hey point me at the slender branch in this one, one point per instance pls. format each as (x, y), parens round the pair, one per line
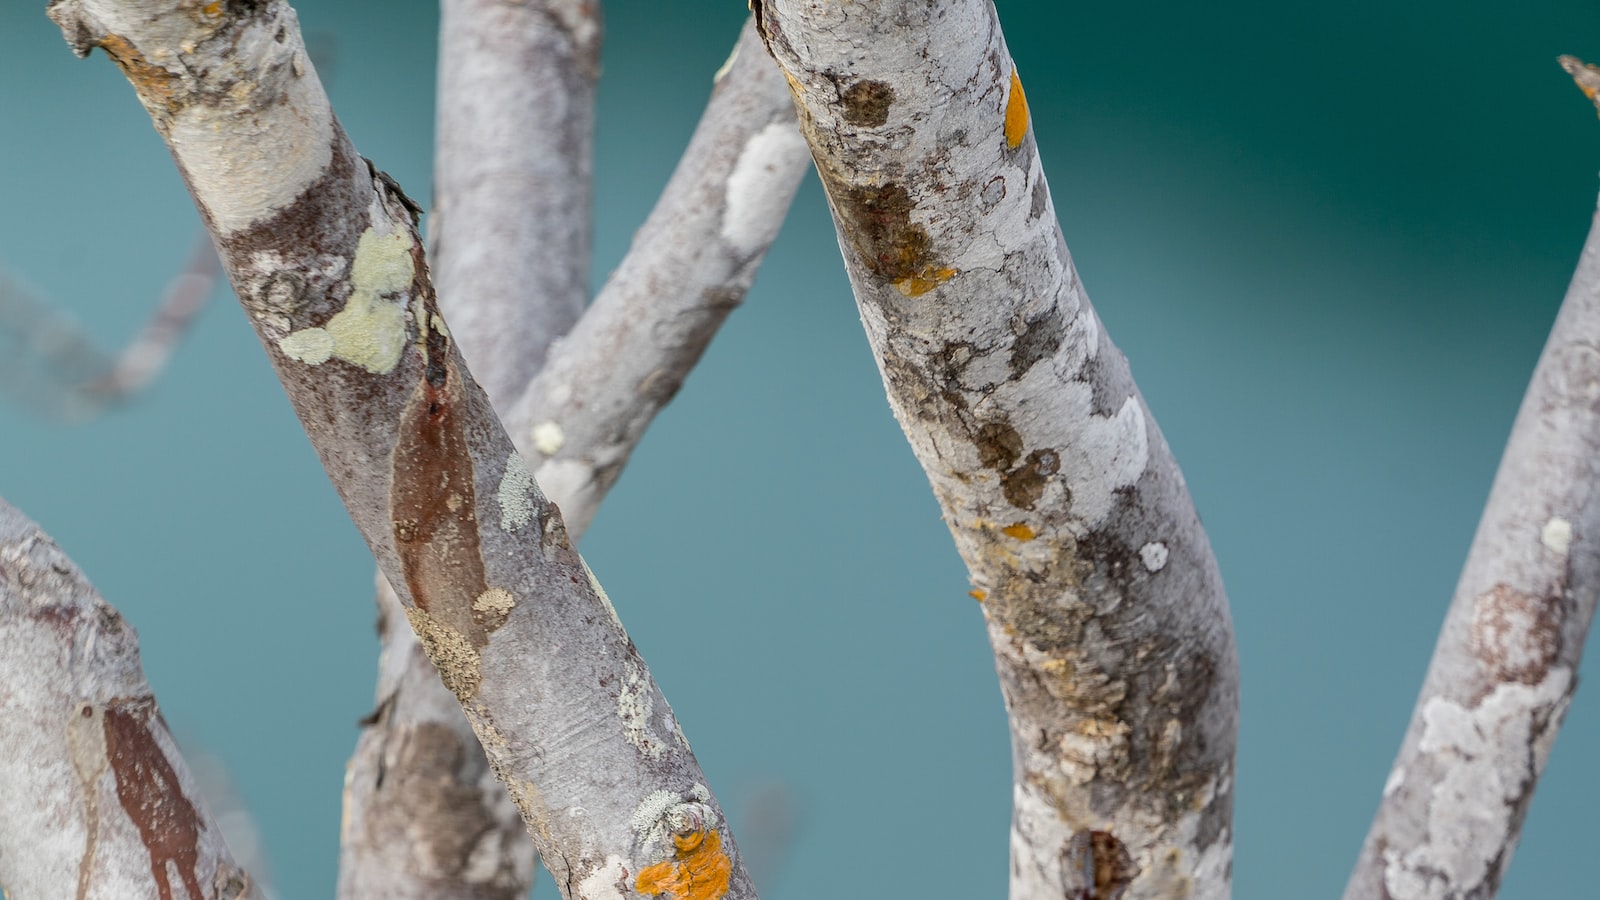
(1105, 610)
(513, 160)
(1506, 663)
(509, 249)
(418, 813)
(49, 365)
(98, 801)
(689, 266)
(323, 252)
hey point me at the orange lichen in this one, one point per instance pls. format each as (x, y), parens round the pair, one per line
(926, 280)
(978, 595)
(1019, 531)
(212, 9)
(1016, 113)
(698, 871)
(154, 84)
(1585, 76)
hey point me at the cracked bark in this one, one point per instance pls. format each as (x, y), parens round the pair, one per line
(98, 802)
(324, 254)
(1105, 609)
(1506, 662)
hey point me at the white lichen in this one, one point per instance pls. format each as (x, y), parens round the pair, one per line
(635, 702)
(516, 494)
(1154, 556)
(548, 438)
(671, 812)
(761, 181)
(370, 331)
(609, 882)
(1556, 535)
(495, 601)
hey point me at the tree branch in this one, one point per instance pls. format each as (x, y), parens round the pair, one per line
(1506, 662)
(98, 800)
(323, 252)
(416, 784)
(1105, 609)
(690, 264)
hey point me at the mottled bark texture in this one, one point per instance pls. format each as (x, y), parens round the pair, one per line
(97, 801)
(1107, 616)
(509, 253)
(324, 254)
(689, 266)
(1507, 658)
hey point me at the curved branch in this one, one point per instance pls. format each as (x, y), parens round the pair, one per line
(1105, 609)
(97, 800)
(325, 257)
(1506, 663)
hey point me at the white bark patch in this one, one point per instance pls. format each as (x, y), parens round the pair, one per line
(251, 157)
(609, 882)
(516, 494)
(635, 702)
(600, 592)
(548, 437)
(371, 329)
(762, 180)
(1556, 535)
(572, 479)
(1487, 753)
(1397, 777)
(1154, 556)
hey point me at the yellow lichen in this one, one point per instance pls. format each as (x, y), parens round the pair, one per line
(926, 280)
(978, 595)
(699, 870)
(370, 331)
(453, 655)
(1016, 113)
(1020, 531)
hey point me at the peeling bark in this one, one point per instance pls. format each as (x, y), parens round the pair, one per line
(1105, 609)
(98, 801)
(1506, 663)
(324, 254)
(691, 264)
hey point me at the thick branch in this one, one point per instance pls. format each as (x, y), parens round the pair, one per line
(1105, 609)
(689, 266)
(97, 801)
(509, 249)
(1506, 663)
(324, 255)
(415, 786)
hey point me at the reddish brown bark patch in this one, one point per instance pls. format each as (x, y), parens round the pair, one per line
(148, 789)
(1095, 865)
(1516, 636)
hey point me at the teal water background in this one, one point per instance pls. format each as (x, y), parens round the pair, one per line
(1330, 240)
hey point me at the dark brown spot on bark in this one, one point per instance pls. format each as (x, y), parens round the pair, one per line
(999, 445)
(148, 789)
(877, 220)
(1024, 485)
(1096, 865)
(1517, 636)
(866, 103)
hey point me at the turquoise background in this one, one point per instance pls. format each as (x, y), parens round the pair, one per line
(1330, 239)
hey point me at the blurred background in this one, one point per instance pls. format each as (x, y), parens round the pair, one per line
(1331, 240)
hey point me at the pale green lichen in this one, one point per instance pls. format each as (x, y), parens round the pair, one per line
(548, 437)
(371, 329)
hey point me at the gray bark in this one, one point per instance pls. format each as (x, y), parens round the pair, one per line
(1506, 662)
(324, 254)
(98, 803)
(1105, 610)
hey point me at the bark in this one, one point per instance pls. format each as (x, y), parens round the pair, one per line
(509, 244)
(324, 254)
(416, 782)
(689, 266)
(98, 802)
(513, 157)
(1104, 606)
(1506, 663)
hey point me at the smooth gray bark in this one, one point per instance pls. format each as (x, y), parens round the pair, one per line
(1105, 610)
(98, 802)
(1506, 662)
